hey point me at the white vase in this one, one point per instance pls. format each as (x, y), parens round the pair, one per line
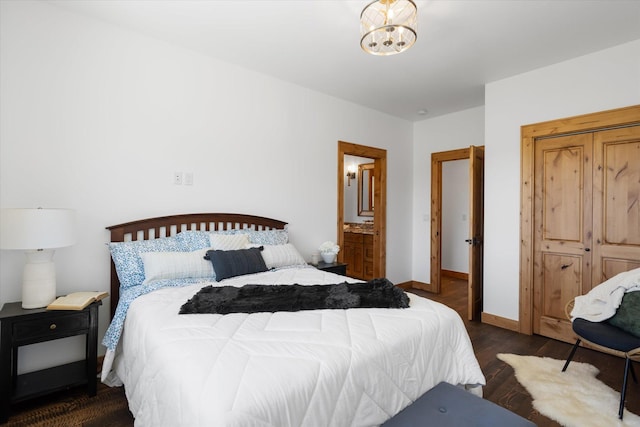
(328, 257)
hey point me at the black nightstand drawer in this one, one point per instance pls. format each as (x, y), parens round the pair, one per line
(44, 329)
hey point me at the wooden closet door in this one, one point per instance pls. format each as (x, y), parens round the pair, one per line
(616, 198)
(562, 229)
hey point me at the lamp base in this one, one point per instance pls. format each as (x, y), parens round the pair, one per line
(39, 279)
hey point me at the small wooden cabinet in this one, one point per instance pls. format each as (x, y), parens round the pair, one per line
(358, 255)
(367, 248)
(19, 327)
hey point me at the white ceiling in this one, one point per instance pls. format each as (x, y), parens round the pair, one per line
(461, 44)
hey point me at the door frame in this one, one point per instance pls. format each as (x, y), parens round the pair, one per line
(437, 159)
(379, 157)
(529, 135)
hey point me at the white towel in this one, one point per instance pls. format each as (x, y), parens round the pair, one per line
(601, 302)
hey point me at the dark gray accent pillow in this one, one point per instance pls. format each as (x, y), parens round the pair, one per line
(627, 317)
(236, 263)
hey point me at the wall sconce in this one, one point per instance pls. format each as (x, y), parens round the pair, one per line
(351, 173)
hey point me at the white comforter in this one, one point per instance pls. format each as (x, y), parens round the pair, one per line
(354, 367)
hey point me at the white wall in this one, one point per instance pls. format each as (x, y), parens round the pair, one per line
(443, 133)
(455, 216)
(600, 81)
(97, 118)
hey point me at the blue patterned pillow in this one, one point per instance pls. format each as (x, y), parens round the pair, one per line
(128, 262)
(194, 239)
(268, 237)
(197, 239)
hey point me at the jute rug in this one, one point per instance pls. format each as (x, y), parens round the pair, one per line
(574, 398)
(73, 408)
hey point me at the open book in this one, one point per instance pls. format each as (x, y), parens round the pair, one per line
(77, 300)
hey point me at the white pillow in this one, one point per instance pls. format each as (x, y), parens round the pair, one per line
(176, 265)
(228, 242)
(281, 256)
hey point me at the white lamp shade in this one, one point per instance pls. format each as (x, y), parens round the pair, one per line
(30, 229)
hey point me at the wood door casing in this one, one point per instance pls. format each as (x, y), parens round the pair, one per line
(436, 215)
(562, 224)
(606, 259)
(476, 224)
(379, 155)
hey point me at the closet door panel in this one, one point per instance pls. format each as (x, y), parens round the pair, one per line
(613, 266)
(562, 281)
(562, 184)
(562, 229)
(616, 202)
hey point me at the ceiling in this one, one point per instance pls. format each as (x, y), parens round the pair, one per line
(461, 45)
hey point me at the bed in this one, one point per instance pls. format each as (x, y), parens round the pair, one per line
(327, 367)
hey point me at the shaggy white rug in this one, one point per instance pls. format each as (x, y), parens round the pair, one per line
(574, 398)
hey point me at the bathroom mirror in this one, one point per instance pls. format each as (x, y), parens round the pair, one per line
(365, 189)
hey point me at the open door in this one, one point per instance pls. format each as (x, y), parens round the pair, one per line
(476, 221)
(476, 230)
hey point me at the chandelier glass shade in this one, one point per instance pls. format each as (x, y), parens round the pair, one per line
(388, 27)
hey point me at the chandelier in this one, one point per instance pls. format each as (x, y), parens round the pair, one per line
(388, 26)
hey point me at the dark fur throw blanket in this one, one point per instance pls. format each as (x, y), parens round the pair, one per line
(380, 293)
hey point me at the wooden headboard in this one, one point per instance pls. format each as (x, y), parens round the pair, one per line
(153, 228)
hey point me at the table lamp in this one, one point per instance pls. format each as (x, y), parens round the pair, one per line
(38, 232)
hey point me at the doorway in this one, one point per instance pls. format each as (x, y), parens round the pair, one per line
(474, 240)
(376, 193)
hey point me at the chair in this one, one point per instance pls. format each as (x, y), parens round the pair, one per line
(610, 339)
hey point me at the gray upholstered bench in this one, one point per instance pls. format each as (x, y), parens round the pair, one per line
(446, 405)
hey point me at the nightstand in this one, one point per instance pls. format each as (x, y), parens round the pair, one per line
(334, 267)
(19, 327)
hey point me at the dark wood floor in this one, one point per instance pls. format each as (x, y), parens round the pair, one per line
(502, 387)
